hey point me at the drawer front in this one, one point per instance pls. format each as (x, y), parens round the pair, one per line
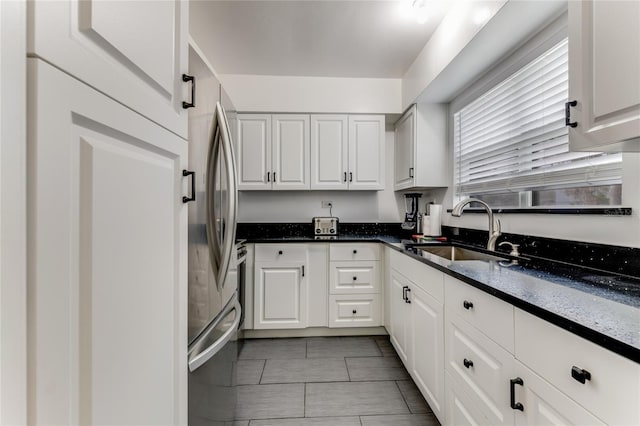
(357, 310)
(427, 278)
(489, 314)
(543, 404)
(461, 409)
(613, 391)
(358, 251)
(281, 253)
(482, 366)
(355, 277)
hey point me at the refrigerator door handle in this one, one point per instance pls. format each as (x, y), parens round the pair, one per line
(221, 143)
(205, 355)
(231, 218)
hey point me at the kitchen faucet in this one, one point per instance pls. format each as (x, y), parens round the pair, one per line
(494, 225)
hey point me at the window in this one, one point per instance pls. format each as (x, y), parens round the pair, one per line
(511, 146)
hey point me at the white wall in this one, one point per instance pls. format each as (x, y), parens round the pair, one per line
(472, 36)
(263, 93)
(349, 206)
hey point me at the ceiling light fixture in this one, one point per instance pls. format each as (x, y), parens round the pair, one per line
(420, 10)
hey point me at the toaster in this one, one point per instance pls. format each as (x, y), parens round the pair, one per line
(325, 225)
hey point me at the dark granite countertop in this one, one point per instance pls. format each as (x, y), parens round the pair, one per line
(603, 308)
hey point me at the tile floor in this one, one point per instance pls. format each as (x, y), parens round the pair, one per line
(326, 381)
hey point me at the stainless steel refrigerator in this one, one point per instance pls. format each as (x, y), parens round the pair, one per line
(214, 306)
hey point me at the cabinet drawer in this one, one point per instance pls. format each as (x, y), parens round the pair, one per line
(461, 409)
(485, 312)
(359, 251)
(613, 391)
(482, 366)
(355, 277)
(357, 310)
(281, 253)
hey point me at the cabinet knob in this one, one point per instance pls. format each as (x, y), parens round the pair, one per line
(279, 251)
(355, 278)
(355, 252)
(467, 305)
(580, 374)
(467, 363)
(355, 311)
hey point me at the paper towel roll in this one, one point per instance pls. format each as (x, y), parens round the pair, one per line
(435, 221)
(426, 224)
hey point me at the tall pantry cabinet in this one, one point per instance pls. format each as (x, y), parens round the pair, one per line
(106, 146)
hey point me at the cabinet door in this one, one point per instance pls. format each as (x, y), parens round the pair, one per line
(106, 260)
(280, 299)
(545, 405)
(253, 148)
(133, 51)
(405, 139)
(290, 151)
(427, 348)
(481, 366)
(329, 152)
(604, 65)
(400, 316)
(366, 152)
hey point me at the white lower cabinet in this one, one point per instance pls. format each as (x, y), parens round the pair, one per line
(416, 327)
(604, 383)
(354, 285)
(426, 336)
(482, 366)
(354, 310)
(460, 407)
(400, 316)
(106, 259)
(542, 404)
(280, 286)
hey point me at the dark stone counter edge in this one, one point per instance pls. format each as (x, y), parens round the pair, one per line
(587, 333)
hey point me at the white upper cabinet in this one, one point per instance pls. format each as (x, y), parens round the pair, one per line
(273, 151)
(421, 148)
(133, 51)
(329, 152)
(347, 152)
(319, 152)
(366, 152)
(253, 151)
(290, 151)
(604, 70)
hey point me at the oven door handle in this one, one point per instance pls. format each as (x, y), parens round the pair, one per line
(197, 357)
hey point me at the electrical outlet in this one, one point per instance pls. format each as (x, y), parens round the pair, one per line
(327, 204)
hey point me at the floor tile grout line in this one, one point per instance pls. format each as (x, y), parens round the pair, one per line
(403, 397)
(347, 367)
(304, 401)
(264, 367)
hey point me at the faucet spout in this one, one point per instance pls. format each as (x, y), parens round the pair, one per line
(494, 225)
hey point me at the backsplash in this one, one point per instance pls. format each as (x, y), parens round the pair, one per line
(288, 230)
(616, 259)
(609, 258)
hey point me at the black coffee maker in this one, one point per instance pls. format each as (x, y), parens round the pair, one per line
(411, 215)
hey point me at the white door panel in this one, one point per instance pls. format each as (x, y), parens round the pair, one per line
(107, 259)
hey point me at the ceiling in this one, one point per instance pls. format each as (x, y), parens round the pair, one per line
(356, 38)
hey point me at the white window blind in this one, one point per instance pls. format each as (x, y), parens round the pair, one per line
(514, 138)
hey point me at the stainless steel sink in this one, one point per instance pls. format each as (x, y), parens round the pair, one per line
(458, 253)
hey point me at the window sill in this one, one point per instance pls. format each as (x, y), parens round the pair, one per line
(602, 211)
